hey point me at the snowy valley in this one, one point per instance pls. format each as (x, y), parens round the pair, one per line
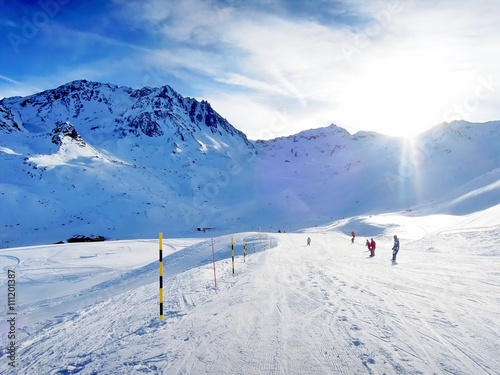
(96, 159)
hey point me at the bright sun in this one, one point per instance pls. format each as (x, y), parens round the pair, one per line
(402, 96)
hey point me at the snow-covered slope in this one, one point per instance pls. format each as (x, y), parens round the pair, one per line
(90, 158)
(327, 308)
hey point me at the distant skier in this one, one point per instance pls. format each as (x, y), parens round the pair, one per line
(395, 248)
(308, 241)
(372, 248)
(353, 235)
(368, 245)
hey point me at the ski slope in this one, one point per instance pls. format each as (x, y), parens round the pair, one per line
(290, 308)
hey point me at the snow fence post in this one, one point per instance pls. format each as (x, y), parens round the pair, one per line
(260, 239)
(213, 255)
(244, 251)
(232, 253)
(161, 277)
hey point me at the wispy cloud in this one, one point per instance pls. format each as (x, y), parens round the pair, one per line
(16, 88)
(62, 35)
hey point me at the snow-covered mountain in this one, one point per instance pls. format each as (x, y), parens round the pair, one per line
(90, 158)
(96, 158)
(369, 172)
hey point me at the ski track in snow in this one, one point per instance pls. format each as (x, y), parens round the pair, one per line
(327, 308)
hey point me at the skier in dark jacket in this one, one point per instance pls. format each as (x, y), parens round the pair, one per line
(353, 235)
(395, 248)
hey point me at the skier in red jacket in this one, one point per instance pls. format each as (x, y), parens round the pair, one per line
(372, 248)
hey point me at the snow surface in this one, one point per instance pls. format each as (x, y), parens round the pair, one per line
(327, 308)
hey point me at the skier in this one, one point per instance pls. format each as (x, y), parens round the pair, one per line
(353, 235)
(372, 248)
(368, 245)
(308, 241)
(395, 248)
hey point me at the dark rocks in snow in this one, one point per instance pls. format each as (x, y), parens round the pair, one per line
(7, 121)
(82, 238)
(63, 130)
(146, 125)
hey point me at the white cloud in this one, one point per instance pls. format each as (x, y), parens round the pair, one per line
(405, 76)
(239, 80)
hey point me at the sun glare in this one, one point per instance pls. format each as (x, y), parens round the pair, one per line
(401, 97)
(412, 155)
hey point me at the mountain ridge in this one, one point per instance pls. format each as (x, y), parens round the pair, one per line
(147, 111)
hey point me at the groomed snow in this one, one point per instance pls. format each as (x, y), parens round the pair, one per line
(327, 308)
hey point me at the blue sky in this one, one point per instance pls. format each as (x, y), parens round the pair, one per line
(272, 68)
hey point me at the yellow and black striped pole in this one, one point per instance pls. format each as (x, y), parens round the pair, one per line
(232, 252)
(161, 277)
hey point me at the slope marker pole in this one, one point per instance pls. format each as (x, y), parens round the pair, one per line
(232, 253)
(161, 277)
(213, 254)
